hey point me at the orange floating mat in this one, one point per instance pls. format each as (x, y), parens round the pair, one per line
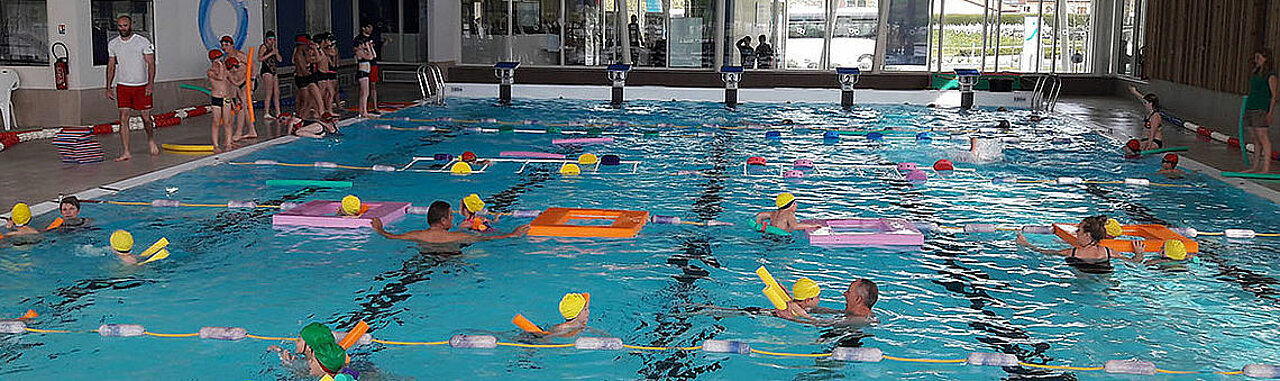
(1153, 237)
(559, 222)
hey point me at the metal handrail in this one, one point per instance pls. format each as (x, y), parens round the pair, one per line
(1037, 93)
(430, 83)
(1057, 91)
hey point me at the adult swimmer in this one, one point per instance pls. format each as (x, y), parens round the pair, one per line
(784, 218)
(1153, 121)
(70, 208)
(440, 221)
(1088, 255)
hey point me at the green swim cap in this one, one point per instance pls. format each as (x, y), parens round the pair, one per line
(328, 353)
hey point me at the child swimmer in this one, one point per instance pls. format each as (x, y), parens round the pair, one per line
(472, 206)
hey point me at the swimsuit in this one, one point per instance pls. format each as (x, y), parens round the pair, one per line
(477, 224)
(1147, 124)
(1091, 266)
(217, 102)
(363, 68)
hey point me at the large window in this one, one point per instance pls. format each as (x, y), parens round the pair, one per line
(1129, 47)
(1032, 36)
(24, 32)
(104, 14)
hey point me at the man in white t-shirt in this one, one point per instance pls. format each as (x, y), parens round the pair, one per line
(130, 85)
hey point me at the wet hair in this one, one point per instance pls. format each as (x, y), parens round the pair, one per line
(438, 211)
(1095, 227)
(366, 23)
(867, 291)
(1268, 66)
(1153, 99)
(72, 200)
(269, 34)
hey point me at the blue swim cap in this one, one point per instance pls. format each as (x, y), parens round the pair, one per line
(772, 135)
(924, 136)
(831, 135)
(875, 136)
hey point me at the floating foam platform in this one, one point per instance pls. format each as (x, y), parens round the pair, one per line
(324, 214)
(864, 232)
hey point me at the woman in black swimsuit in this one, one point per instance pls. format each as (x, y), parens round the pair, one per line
(269, 56)
(1088, 255)
(1153, 121)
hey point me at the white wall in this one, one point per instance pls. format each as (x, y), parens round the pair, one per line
(180, 52)
(444, 28)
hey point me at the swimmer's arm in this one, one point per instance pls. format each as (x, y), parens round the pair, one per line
(824, 310)
(376, 224)
(1136, 94)
(1022, 241)
(522, 230)
(1139, 249)
(760, 217)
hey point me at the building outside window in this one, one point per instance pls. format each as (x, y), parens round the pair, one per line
(24, 33)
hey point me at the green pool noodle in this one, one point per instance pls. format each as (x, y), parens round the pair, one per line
(774, 230)
(1259, 176)
(309, 183)
(197, 88)
(1163, 150)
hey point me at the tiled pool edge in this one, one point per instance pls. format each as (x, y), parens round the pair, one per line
(167, 172)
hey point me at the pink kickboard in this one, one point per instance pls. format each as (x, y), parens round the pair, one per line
(865, 231)
(325, 214)
(533, 155)
(581, 141)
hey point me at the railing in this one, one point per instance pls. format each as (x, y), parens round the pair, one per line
(431, 83)
(1044, 96)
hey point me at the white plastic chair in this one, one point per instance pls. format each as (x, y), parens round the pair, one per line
(8, 83)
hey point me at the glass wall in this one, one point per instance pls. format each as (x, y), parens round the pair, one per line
(1032, 36)
(24, 32)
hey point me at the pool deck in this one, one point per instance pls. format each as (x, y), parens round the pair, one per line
(34, 173)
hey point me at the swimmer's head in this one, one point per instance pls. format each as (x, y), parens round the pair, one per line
(121, 241)
(215, 54)
(788, 122)
(863, 293)
(232, 63)
(439, 214)
(350, 205)
(69, 206)
(468, 157)
(226, 42)
(472, 203)
(1092, 230)
(325, 350)
(270, 35)
(574, 305)
(20, 215)
(1113, 228)
(1153, 100)
(1132, 148)
(1001, 109)
(1175, 250)
(1004, 124)
(1170, 161)
(785, 201)
(806, 292)
(302, 39)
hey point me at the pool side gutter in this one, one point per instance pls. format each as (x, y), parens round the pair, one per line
(163, 173)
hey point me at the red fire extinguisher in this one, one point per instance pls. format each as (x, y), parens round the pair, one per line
(60, 69)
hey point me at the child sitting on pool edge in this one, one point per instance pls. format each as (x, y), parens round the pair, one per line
(471, 218)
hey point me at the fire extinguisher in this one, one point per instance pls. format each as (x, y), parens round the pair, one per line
(60, 69)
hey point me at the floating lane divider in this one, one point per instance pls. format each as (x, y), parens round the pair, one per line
(597, 127)
(320, 164)
(1078, 180)
(843, 354)
(1188, 232)
(175, 203)
(653, 218)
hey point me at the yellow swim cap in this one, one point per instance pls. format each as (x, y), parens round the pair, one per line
(21, 214)
(588, 159)
(122, 241)
(1175, 250)
(1113, 228)
(473, 203)
(784, 199)
(570, 169)
(805, 288)
(572, 304)
(460, 168)
(351, 205)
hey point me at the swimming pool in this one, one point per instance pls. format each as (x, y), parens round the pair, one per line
(958, 293)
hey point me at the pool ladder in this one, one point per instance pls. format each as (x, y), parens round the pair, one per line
(431, 84)
(1045, 96)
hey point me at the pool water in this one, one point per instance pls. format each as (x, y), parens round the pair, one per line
(959, 293)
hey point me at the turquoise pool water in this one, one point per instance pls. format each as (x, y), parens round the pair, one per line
(959, 293)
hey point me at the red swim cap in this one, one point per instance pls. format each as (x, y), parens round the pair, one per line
(943, 165)
(468, 156)
(1171, 158)
(755, 160)
(232, 61)
(1134, 145)
(215, 54)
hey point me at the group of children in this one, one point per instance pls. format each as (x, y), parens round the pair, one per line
(228, 77)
